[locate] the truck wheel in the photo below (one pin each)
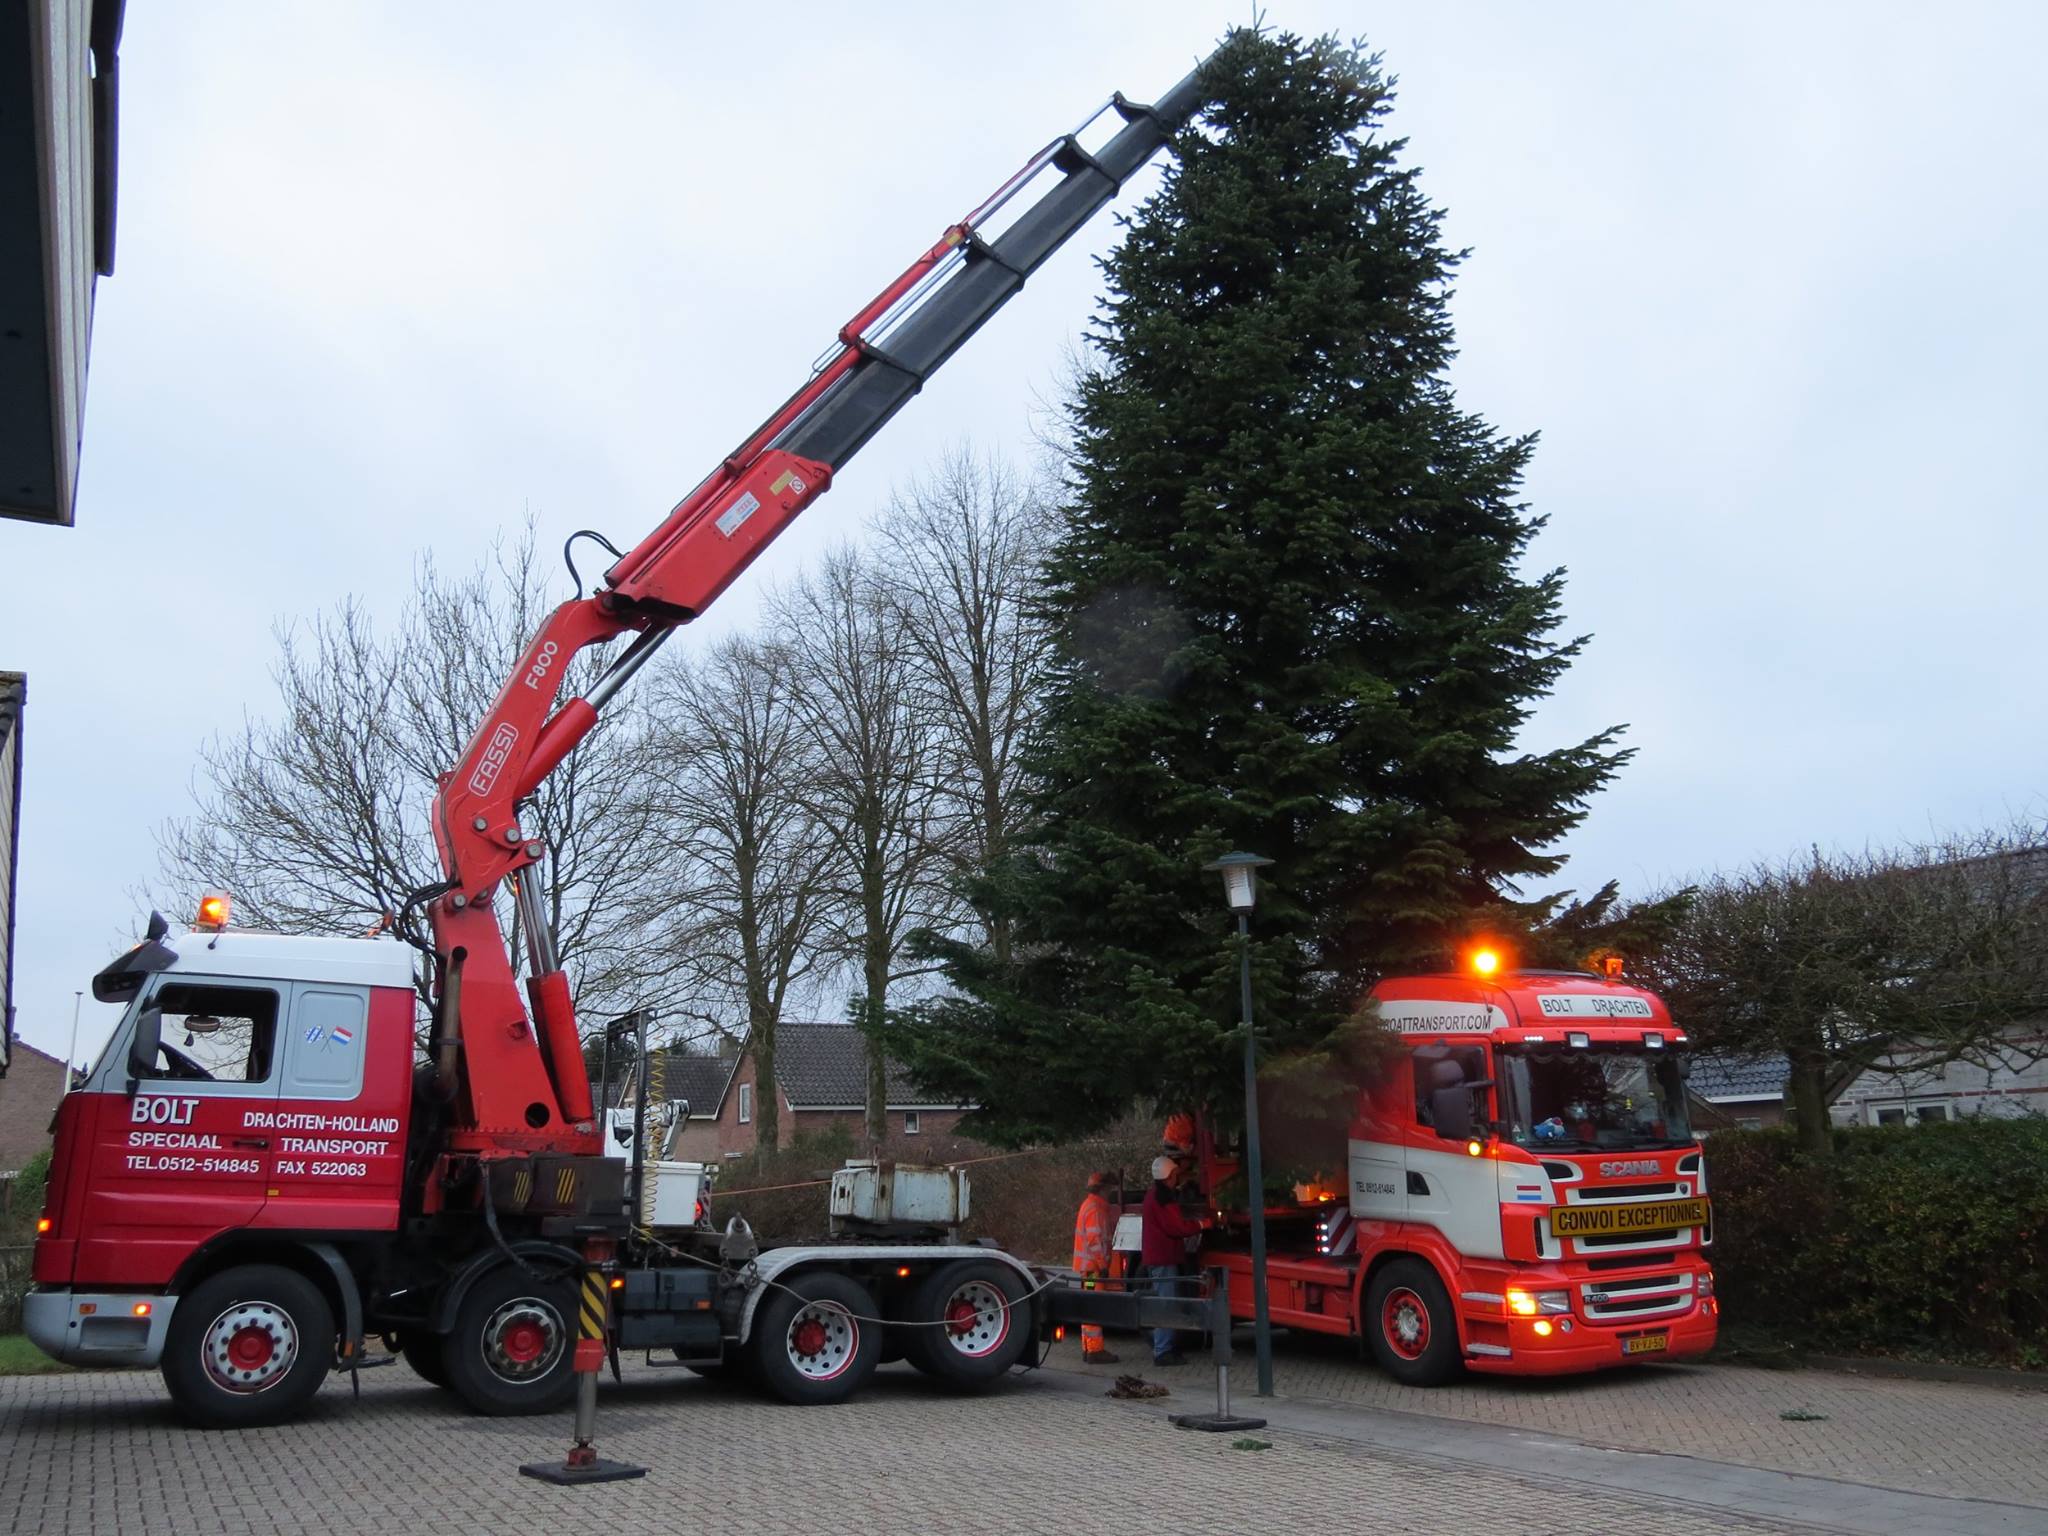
(1408, 1318)
(423, 1352)
(812, 1341)
(968, 1323)
(513, 1344)
(248, 1346)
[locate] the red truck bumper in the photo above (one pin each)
(1515, 1348)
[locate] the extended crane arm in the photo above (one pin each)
(514, 1096)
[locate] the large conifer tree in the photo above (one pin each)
(1289, 619)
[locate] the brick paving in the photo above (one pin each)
(101, 1451)
(1966, 1441)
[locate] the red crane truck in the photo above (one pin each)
(242, 1213)
(1521, 1192)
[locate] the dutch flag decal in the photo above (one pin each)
(340, 1035)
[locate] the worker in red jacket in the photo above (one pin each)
(1166, 1232)
(1094, 1226)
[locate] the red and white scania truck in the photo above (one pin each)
(1521, 1192)
(258, 1172)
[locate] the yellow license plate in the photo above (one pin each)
(1646, 1344)
(1626, 1218)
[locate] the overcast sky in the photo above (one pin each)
(1767, 279)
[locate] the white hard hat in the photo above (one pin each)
(1162, 1168)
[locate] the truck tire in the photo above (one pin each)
(813, 1342)
(968, 1323)
(513, 1345)
(1409, 1322)
(248, 1346)
(423, 1352)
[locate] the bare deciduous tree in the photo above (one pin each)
(743, 919)
(1893, 962)
(316, 817)
(873, 782)
(958, 559)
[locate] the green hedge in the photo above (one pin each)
(18, 1236)
(1911, 1238)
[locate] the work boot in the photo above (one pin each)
(1099, 1357)
(1171, 1357)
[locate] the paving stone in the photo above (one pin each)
(1962, 1440)
(102, 1451)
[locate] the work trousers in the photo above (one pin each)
(1165, 1282)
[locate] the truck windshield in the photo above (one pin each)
(1593, 1098)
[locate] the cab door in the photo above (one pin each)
(186, 1153)
(338, 1157)
(1450, 1188)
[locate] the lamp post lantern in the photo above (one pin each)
(1241, 894)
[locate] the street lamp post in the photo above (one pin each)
(70, 1056)
(1241, 892)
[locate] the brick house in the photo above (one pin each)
(1733, 1092)
(820, 1082)
(28, 1098)
(2009, 1078)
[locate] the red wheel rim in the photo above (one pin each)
(250, 1349)
(977, 1319)
(1404, 1320)
(523, 1341)
(823, 1342)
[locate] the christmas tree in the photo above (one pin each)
(1290, 619)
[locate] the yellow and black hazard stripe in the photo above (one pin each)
(594, 1304)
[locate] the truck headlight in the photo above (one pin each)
(1529, 1303)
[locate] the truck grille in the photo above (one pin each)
(1622, 1192)
(1624, 1301)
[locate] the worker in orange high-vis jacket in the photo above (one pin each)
(1094, 1225)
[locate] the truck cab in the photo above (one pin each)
(257, 1084)
(1522, 1192)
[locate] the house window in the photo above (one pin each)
(1926, 1112)
(746, 1103)
(1749, 1122)
(910, 1122)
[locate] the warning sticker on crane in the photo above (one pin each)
(730, 519)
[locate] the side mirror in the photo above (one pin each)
(1684, 1069)
(149, 1033)
(1450, 1111)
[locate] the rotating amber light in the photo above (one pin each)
(1485, 961)
(213, 911)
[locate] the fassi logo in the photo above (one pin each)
(502, 741)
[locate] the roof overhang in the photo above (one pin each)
(57, 186)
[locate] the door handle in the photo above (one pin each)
(260, 1143)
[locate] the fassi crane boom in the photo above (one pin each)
(521, 1088)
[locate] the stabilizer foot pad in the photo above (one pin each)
(562, 1474)
(1211, 1423)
